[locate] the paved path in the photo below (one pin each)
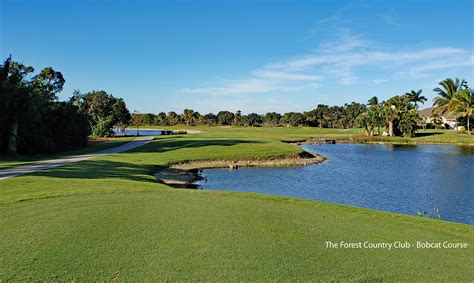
(42, 165)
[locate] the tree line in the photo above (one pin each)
(398, 114)
(33, 120)
(323, 116)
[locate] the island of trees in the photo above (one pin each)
(33, 119)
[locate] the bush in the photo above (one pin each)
(61, 127)
(104, 127)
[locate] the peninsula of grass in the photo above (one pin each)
(107, 218)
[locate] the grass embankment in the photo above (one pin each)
(429, 136)
(107, 218)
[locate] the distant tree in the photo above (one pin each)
(373, 102)
(401, 116)
(238, 118)
(101, 107)
(408, 122)
(455, 97)
(350, 112)
(148, 119)
(161, 119)
(423, 122)
(254, 119)
(334, 116)
(120, 115)
(225, 118)
(272, 118)
(210, 119)
(321, 115)
(197, 119)
(188, 117)
(293, 119)
(367, 120)
(437, 121)
(445, 93)
(463, 105)
(173, 118)
(415, 97)
(378, 110)
(137, 120)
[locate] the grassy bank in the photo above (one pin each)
(107, 218)
(429, 136)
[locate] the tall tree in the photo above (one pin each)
(173, 118)
(188, 116)
(32, 120)
(103, 111)
(321, 114)
(373, 101)
(225, 118)
(15, 98)
(463, 104)
(416, 97)
(445, 94)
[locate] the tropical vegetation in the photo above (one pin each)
(33, 120)
(455, 97)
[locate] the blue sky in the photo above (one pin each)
(254, 56)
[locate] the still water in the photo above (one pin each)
(397, 178)
(133, 132)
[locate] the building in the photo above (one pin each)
(449, 121)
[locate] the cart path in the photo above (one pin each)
(42, 165)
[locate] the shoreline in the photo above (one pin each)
(311, 142)
(185, 174)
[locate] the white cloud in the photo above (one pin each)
(423, 69)
(251, 85)
(269, 74)
(349, 60)
(379, 81)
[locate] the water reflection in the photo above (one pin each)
(397, 178)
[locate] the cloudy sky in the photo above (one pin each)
(254, 56)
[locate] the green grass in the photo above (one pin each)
(107, 218)
(7, 161)
(430, 136)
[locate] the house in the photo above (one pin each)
(449, 121)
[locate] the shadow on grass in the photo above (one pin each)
(170, 144)
(423, 134)
(100, 169)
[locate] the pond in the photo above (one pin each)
(144, 132)
(397, 178)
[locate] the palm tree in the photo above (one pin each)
(444, 101)
(463, 104)
(391, 114)
(445, 94)
(416, 97)
(374, 101)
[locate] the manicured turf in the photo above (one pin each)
(106, 219)
(356, 135)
